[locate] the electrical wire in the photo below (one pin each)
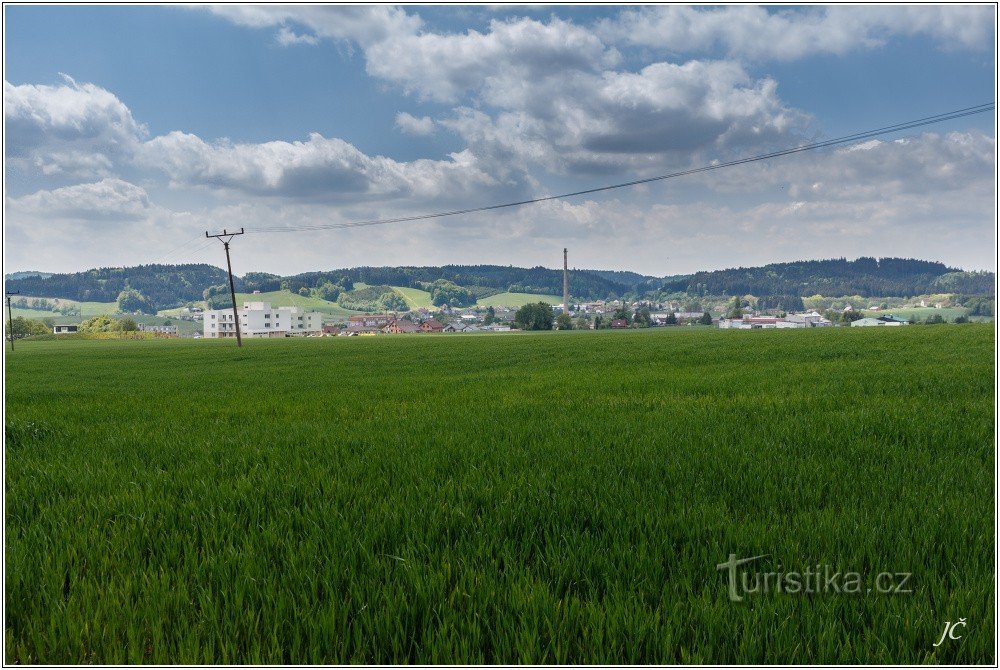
(847, 139)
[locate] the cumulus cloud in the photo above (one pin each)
(105, 200)
(68, 129)
(443, 67)
(363, 25)
(787, 34)
(319, 168)
(662, 116)
(411, 125)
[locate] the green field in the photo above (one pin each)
(517, 299)
(87, 309)
(286, 298)
(415, 297)
(509, 498)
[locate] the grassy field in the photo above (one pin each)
(288, 299)
(87, 309)
(517, 299)
(510, 498)
(415, 297)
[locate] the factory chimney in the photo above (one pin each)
(565, 281)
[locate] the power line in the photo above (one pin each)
(847, 139)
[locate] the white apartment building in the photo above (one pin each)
(260, 319)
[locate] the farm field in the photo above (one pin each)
(415, 297)
(517, 299)
(560, 497)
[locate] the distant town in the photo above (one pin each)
(196, 301)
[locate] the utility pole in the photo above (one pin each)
(10, 318)
(565, 281)
(226, 238)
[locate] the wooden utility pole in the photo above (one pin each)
(226, 238)
(10, 318)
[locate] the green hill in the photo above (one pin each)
(414, 297)
(508, 299)
(289, 299)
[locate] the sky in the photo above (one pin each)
(130, 131)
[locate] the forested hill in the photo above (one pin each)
(167, 286)
(171, 285)
(838, 277)
(163, 285)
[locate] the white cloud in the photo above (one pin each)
(662, 116)
(411, 125)
(444, 67)
(288, 37)
(319, 168)
(364, 25)
(787, 34)
(106, 200)
(70, 129)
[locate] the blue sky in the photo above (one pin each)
(136, 128)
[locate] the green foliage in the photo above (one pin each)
(978, 305)
(162, 285)
(850, 316)
(130, 300)
(391, 301)
(444, 292)
(127, 324)
(839, 277)
(329, 291)
(104, 324)
(536, 316)
(368, 299)
(643, 318)
(532, 514)
(705, 319)
(564, 322)
(734, 310)
(965, 282)
(491, 315)
(23, 327)
(582, 323)
(671, 319)
(304, 291)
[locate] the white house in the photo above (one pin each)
(260, 319)
(60, 329)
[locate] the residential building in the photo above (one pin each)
(260, 319)
(432, 326)
(369, 320)
(619, 323)
(397, 326)
(62, 329)
(162, 330)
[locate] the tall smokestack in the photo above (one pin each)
(566, 281)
